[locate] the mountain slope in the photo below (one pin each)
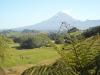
(55, 22)
(86, 24)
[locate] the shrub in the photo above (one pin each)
(36, 41)
(57, 38)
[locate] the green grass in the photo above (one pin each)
(75, 33)
(29, 56)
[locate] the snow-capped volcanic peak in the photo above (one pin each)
(62, 16)
(54, 23)
(66, 12)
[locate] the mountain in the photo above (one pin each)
(86, 24)
(54, 23)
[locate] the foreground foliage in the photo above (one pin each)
(4, 45)
(81, 57)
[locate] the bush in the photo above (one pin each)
(58, 38)
(35, 41)
(22, 38)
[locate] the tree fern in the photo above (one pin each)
(77, 58)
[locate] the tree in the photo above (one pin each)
(91, 31)
(74, 29)
(57, 38)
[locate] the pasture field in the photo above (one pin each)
(19, 60)
(29, 56)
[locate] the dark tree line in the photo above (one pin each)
(91, 31)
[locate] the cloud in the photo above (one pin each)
(67, 11)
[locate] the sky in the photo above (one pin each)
(19, 13)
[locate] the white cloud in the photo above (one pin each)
(67, 11)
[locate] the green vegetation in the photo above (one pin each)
(10, 55)
(57, 38)
(35, 41)
(30, 56)
(81, 57)
(4, 46)
(74, 29)
(64, 53)
(91, 31)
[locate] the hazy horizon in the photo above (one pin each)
(19, 13)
